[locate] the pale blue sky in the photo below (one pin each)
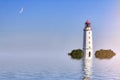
(56, 26)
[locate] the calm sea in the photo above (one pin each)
(57, 68)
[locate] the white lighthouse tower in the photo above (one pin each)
(87, 49)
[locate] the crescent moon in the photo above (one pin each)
(21, 10)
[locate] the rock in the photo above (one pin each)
(104, 54)
(76, 54)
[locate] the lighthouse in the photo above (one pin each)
(87, 49)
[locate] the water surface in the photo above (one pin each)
(56, 68)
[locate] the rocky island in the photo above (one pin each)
(76, 54)
(104, 54)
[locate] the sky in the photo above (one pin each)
(55, 27)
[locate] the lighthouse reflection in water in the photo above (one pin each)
(87, 50)
(87, 69)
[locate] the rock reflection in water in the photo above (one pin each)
(86, 78)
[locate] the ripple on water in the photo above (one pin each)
(39, 76)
